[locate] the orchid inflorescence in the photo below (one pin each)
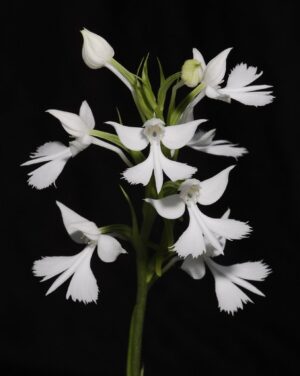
(165, 130)
(205, 237)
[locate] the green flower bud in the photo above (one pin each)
(191, 73)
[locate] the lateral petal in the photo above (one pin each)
(169, 207)
(194, 267)
(213, 188)
(109, 248)
(131, 137)
(177, 136)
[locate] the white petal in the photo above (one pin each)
(202, 138)
(177, 136)
(72, 269)
(48, 152)
(83, 285)
(257, 98)
(226, 150)
(76, 225)
(216, 69)
(169, 207)
(176, 170)
(109, 248)
(86, 115)
(227, 272)
(141, 173)
(191, 242)
(195, 267)
(230, 297)
(212, 189)
(241, 75)
(49, 267)
(198, 56)
(72, 123)
(228, 228)
(253, 271)
(46, 175)
(158, 172)
(49, 148)
(131, 137)
(209, 236)
(213, 93)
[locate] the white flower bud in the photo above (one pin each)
(96, 52)
(191, 73)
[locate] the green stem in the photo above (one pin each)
(134, 365)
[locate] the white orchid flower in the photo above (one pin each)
(201, 229)
(57, 154)
(204, 141)
(227, 278)
(237, 86)
(83, 285)
(154, 133)
(238, 81)
(98, 53)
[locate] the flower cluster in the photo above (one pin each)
(172, 187)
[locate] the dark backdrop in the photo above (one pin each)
(185, 334)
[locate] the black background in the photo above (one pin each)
(185, 334)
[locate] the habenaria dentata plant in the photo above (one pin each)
(150, 152)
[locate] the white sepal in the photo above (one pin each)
(131, 137)
(213, 188)
(177, 136)
(170, 207)
(72, 123)
(194, 267)
(216, 69)
(79, 228)
(109, 248)
(86, 115)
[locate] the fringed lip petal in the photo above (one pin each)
(46, 175)
(191, 241)
(131, 137)
(140, 173)
(229, 296)
(170, 207)
(213, 188)
(86, 253)
(83, 285)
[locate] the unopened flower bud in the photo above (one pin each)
(96, 52)
(191, 73)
